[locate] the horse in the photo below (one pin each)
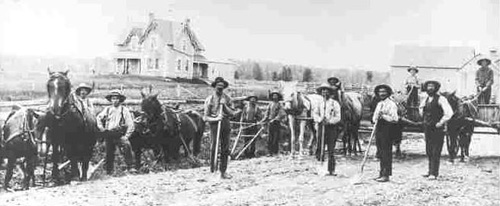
(20, 136)
(171, 129)
(460, 129)
(299, 106)
(69, 132)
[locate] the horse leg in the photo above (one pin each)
(291, 121)
(314, 129)
(85, 168)
(10, 170)
(75, 173)
(301, 136)
(138, 153)
(29, 171)
(56, 152)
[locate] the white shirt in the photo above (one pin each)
(328, 110)
(387, 109)
(443, 103)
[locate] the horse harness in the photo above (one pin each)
(26, 133)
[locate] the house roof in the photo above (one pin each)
(166, 30)
(134, 31)
(434, 57)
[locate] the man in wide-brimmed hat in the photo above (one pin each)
(83, 103)
(327, 115)
(484, 80)
(412, 85)
(116, 124)
(251, 114)
(274, 115)
(218, 109)
(385, 118)
(436, 111)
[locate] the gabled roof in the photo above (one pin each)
(166, 30)
(434, 57)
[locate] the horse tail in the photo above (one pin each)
(200, 126)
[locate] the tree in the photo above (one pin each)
(257, 72)
(307, 75)
(275, 76)
(236, 75)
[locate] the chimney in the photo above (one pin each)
(151, 16)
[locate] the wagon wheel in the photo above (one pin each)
(452, 145)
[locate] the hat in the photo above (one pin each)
(436, 83)
(382, 86)
(275, 92)
(324, 86)
(414, 68)
(116, 93)
(484, 59)
(220, 79)
(251, 96)
(335, 80)
(83, 86)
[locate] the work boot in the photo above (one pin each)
(432, 177)
(383, 179)
(425, 175)
(225, 176)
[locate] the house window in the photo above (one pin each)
(157, 64)
(179, 64)
(150, 63)
(187, 65)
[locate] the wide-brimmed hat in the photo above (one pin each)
(382, 86)
(116, 93)
(220, 79)
(436, 83)
(251, 95)
(488, 61)
(324, 86)
(280, 97)
(335, 80)
(83, 86)
(414, 68)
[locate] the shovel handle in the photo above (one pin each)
(369, 144)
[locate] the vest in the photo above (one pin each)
(432, 111)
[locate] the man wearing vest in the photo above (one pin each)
(217, 109)
(274, 116)
(385, 118)
(327, 115)
(250, 115)
(116, 124)
(436, 111)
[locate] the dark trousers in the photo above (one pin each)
(250, 151)
(274, 135)
(331, 134)
(484, 97)
(114, 139)
(225, 131)
(384, 139)
(412, 100)
(434, 139)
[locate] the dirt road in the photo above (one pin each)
(285, 181)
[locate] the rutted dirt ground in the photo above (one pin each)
(283, 180)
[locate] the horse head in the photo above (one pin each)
(58, 89)
(293, 100)
(150, 104)
(453, 100)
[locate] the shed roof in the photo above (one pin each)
(432, 56)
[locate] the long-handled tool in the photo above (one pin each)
(357, 178)
(237, 137)
(250, 143)
(215, 155)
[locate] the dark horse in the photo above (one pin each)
(459, 128)
(20, 136)
(166, 130)
(69, 133)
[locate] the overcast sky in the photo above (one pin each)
(335, 33)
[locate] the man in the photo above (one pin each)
(274, 115)
(327, 115)
(385, 118)
(217, 109)
(412, 85)
(116, 124)
(336, 85)
(85, 107)
(484, 80)
(250, 115)
(436, 111)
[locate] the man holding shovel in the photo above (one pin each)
(385, 118)
(326, 116)
(218, 110)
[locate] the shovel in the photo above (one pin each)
(215, 156)
(358, 177)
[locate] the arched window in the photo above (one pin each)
(179, 64)
(187, 64)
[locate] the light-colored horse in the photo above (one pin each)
(298, 106)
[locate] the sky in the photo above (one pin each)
(322, 33)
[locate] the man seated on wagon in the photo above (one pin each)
(484, 80)
(412, 86)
